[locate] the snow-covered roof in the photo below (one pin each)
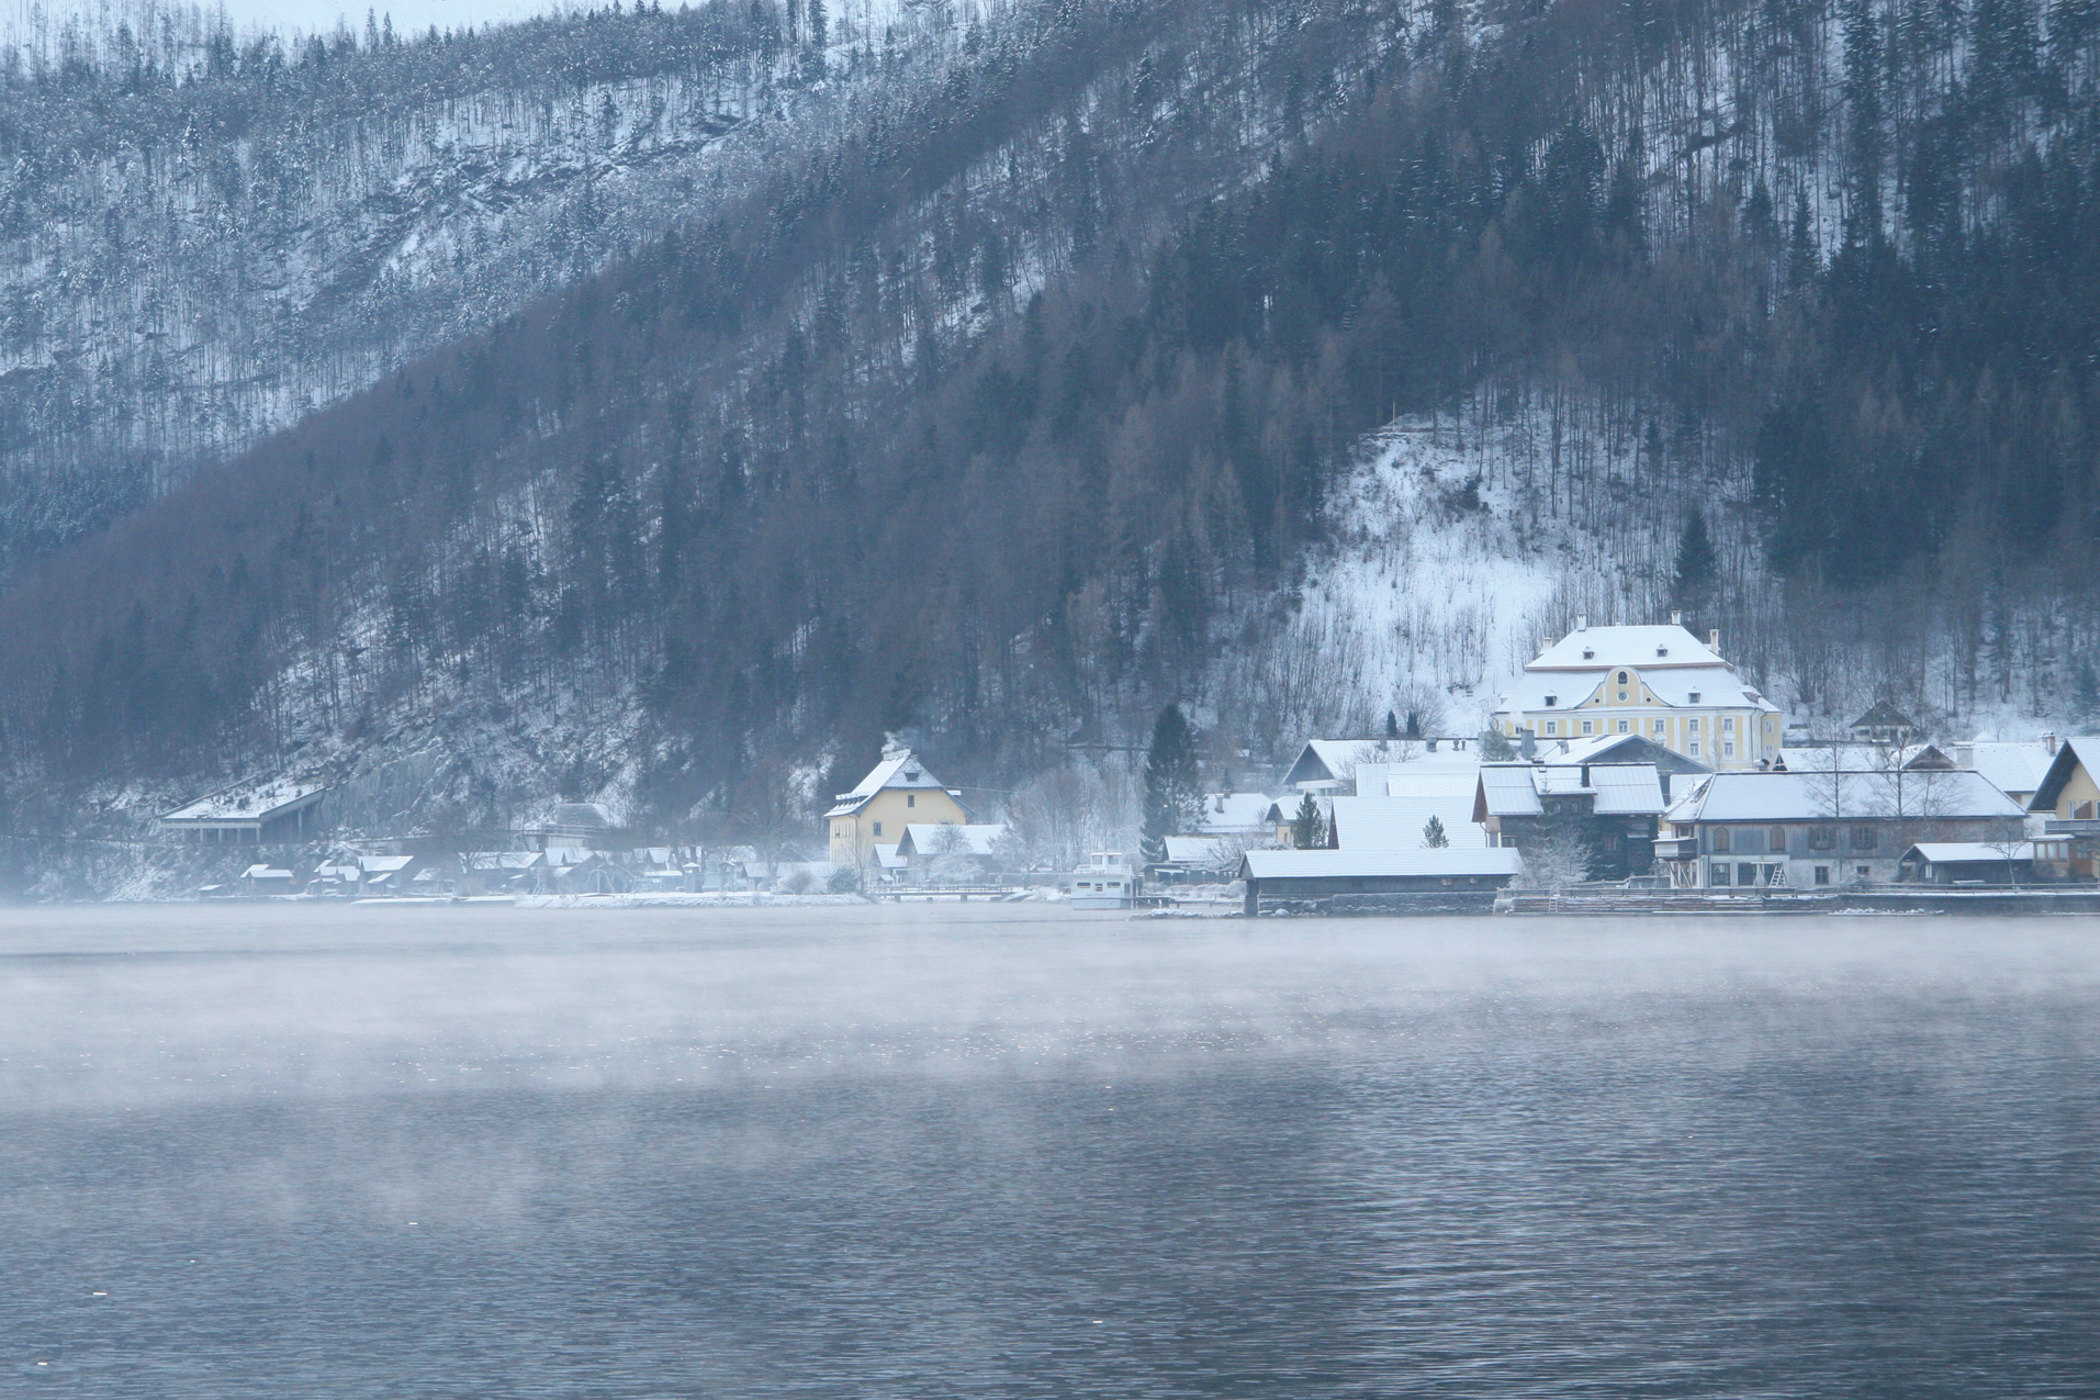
(1508, 790)
(2014, 767)
(265, 872)
(1445, 773)
(1234, 812)
(249, 801)
(886, 857)
(1396, 823)
(1850, 757)
(1925, 794)
(2071, 754)
(900, 769)
(1330, 865)
(1646, 646)
(1629, 789)
(1620, 789)
(935, 838)
(1957, 852)
(383, 865)
(1615, 748)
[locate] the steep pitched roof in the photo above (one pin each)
(900, 769)
(2071, 755)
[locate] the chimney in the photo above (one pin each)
(1582, 622)
(1713, 639)
(2049, 743)
(1585, 775)
(1676, 617)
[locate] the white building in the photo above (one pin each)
(1659, 682)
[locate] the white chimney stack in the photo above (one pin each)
(1582, 622)
(1676, 618)
(1713, 639)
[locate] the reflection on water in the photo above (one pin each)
(429, 1152)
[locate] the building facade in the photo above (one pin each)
(897, 793)
(1658, 682)
(1818, 830)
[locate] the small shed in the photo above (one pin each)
(1970, 863)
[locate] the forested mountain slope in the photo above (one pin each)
(203, 239)
(1030, 401)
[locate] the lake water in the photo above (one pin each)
(1021, 1152)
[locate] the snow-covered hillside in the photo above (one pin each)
(181, 272)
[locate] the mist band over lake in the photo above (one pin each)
(900, 1152)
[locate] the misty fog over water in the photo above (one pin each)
(1016, 1151)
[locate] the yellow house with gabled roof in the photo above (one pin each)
(897, 792)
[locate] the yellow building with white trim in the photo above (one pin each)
(1659, 682)
(898, 792)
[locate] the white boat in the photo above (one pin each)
(1106, 881)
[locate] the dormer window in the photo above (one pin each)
(1694, 697)
(1551, 701)
(1662, 651)
(1589, 654)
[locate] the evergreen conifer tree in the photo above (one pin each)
(1173, 790)
(1307, 829)
(1692, 582)
(1433, 836)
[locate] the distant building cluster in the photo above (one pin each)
(1633, 759)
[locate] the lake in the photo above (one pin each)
(1015, 1151)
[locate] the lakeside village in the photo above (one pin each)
(1629, 767)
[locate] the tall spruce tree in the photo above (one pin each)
(1698, 568)
(1173, 789)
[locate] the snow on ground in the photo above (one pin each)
(1441, 579)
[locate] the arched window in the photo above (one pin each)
(1622, 678)
(1720, 838)
(1779, 839)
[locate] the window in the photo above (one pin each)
(911, 799)
(1728, 724)
(1720, 838)
(1728, 749)
(1622, 678)
(1625, 726)
(1863, 872)
(1551, 701)
(1588, 726)
(1777, 838)
(1553, 726)
(878, 828)
(1658, 726)
(1745, 873)
(1822, 874)
(1694, 697)
(1693, 723)
(1865, 838)
(1695, 748)
(1622, 697)
(1720, 873)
